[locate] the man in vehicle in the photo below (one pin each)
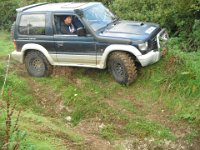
(68, 27)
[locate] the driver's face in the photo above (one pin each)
(68, 20)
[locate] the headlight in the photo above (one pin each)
(143, 46)
(165, 36)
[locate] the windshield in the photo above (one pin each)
(98, 16)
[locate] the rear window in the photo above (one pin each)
(33, 24)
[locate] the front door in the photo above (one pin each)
(72, 49)
(75, 50)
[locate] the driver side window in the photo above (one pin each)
(67, 24)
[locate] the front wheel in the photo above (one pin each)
(122, 67)
(37, 65)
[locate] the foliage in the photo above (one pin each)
(146, 127)
(169, 90)
(174, 81)
(108, 132)
(179, 17)
(184, 80)
(13, 138)
(7, 13)
(186, 72)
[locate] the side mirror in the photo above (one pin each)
(81, 32)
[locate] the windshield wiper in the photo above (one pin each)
(113, 22)
(116, 19)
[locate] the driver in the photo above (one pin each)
(68, 27)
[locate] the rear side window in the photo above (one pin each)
(33, 24)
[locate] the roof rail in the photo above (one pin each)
(30, 6)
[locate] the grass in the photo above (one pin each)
(5, 45)
(171, 85)
(191, 136)
(32, 122)
(127, 105)
(144, 128)
(21, 92)
(52, 131)
(108, 132)
(86, 100)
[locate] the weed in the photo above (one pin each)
(5, 45)
(127, 105)
(21, 92)
(108, 132)
(190, 136)
(14, 137)
(173, 83)
(144, 128)
(48, 126)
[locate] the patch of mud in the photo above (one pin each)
(160, 114)
(172, 63)
(50, 100)
(53, 104)
(196, 143)
(62, 71)
(67, 72)
(135, 143)
(89, 129)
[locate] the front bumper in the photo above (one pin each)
(155, 55)
(149, 58)
(18, 56)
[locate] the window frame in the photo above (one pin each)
(28, 14)
(55, 32)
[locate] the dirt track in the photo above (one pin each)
(53, 105)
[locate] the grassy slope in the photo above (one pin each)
(164, 98)
(31, 121)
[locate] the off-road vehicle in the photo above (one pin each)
(102, 40)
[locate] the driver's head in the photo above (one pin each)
(68, 20)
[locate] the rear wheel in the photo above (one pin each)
(122, 67)
(37, 65)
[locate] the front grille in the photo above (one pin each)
(153, 44)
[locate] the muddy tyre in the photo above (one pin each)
(122, 67)
(37, 65)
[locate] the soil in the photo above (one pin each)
(53, 105)
(89, 129)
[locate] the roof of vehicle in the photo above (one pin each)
(56, 7)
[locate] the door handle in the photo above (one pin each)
(59, 44)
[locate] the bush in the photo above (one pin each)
(7, 11)
(193, 38)
(179, 17)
